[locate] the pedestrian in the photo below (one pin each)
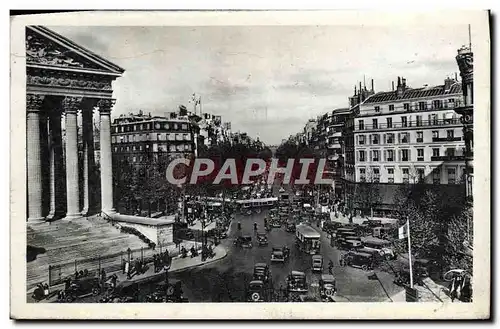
(137, 266)
(103, 276)
(330, 267)
(155, 263)
(76, 274)
(113, 281)
(124, 262)
(67, 283)
(46, 290)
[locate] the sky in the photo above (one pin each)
(267, 80)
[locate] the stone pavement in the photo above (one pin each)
(178, 264)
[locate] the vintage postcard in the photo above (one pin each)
(250, 165)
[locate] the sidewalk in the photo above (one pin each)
(178, 264)
(198, 226)
(431, 292)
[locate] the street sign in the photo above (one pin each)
(411, 294)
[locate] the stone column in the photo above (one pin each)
(33, 155)
(55, 166)
(71, 106)
(88, 157)
(106, 159)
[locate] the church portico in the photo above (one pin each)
(65, 82)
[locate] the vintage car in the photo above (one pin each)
(244, 241)
(282, 190)
(327, 287)
(262, 273)
(171, 291)
(279, 254)
(349, 244)
(125, 292)
(290, 227)
(262, 239)
(256, 291)
(81, 288)
(296, 282)
(362, 260)
(317, 263)
(379, 245)
(275, 223)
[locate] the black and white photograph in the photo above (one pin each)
(283, 169)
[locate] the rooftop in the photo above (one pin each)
(414, 93)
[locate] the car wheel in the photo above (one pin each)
(96, 291)
(69, 298)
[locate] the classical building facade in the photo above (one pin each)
(64, 81)
(465, 60)
(410, 135)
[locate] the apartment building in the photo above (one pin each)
(141, 138)
(410, 135)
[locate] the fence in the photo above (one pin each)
(110, 263)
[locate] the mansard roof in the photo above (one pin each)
(414, 93)
(48, 49)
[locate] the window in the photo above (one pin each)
(361, 125)
(450, 152)
(420, 137)
(361, 156)
(420, 175)
(451, 176)
(404, 122)
(405, 155)
(390, 138)
(390, 155)
(435, 152)
(437, 104)
(450, 134)
(406, 106)
(134, 159)
(184, 126)
(422, 106)
(176, 126)
(375, 139)
(434, 118)
(435, 134)
(172, 148)
(140, 147)
(451, 102)
(113, 139)
(389, 122)
(406, 175)
(375, 155)
(390, 171)
(116, 149)
(187, 137)
(186, 147)
(133, 148)
(377, 109)
(128, 148)
(420, 154)
(361, 140)
(362, 174)
(419, 120)
(167, 126)
(436, 176)
(391, 107)
(376, 175)
(375, 123)
(405, 137)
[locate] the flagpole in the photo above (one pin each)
(201, 108)
(409, 253)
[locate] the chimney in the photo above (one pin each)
(392, 85)
(399, 82)
(403, 82)
(448, 82)
(355, 91)
(372, 86)
(401, 86)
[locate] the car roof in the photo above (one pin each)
(298, 273)
(255, 282)
(362, 254)
(327, 277)
(317, 257)
(260, 265)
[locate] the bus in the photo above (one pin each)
(256, 204)
(307, 239)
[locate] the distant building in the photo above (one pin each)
(410, 135)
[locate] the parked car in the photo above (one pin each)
(125, 292)
(317, 263)
(379, 245)
(361, 260)
(262, 239)
(262, 272)
(296, 282)
(349, 244)
(327, 287)
(82, 288)
(244, 241)
(290, 227)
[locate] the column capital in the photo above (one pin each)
(34, 102)
(105, 105)
(71, 104)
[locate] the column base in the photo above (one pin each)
(85, 212)
(108, 212)
(36, 220)
(72, 216)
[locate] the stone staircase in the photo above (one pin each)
(66, 241)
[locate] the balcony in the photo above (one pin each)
(446, 139)
(411, 124)
(446, 158)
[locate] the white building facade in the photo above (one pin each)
(410, 135)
